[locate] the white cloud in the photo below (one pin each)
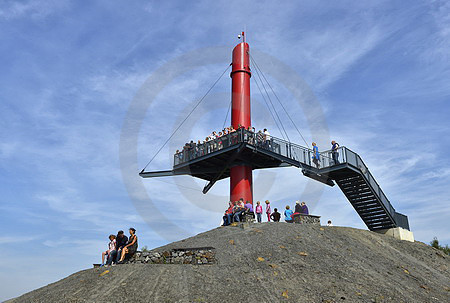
(34, 9)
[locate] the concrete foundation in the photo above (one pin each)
(398, 233)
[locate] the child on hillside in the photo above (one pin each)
(268, 210)
(259, 211)
(111, 248)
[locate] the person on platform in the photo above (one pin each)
(259, 138)
(329, 223)
(316, 155)
(334, 152)
(275, 216)
(258, 211)
(121, 241)
(266, 138)
(111, 248)
(131, 246)
(305, 209)
(238, 210)
(228, 216)
(288, 214)
(268, 210)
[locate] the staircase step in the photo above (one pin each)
(377, 210)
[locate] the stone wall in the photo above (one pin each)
(195, 256)
(306, 219)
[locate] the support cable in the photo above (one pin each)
(270, 110)
(182, 122)
(226, 116)
(270, 100)
(279, 101)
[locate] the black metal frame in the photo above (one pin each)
(212, 161)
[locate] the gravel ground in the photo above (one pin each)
(271, 262)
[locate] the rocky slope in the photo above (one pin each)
(271, 262)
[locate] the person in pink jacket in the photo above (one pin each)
(268, 210)
(258, 211)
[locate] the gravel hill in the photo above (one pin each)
(271, 262)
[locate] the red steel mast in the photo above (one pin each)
(241, 174)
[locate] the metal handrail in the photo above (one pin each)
(276, 145)
(345, 155)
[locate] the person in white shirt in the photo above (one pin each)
(329, 223)
(267, 137)
(111, 248)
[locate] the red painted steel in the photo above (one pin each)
(241, 183)
(240, 86)
(241, 175)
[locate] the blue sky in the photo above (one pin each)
(379, 70)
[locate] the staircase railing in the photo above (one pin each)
(345, 155)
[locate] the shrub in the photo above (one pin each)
(435, 244)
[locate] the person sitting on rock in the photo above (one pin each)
(305, 210)
(238, 210)
(111, 248)
(288, 214)
(248, 207)
(228, 216)
(131, 246)
(275, 216)
(121, 241)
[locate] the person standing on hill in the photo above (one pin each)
(268, 210)
(275, 216)
(298, 207)
(305, 209)
(258, 211)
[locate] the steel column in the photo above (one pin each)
(241, 175)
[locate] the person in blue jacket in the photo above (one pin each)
(316, 155)
(288, 214)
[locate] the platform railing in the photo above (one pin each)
(199, 150)
(259, 140)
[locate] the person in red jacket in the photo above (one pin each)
(228, 216)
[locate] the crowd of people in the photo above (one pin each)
(120, 248)
(237, 209)
(218, 140)
(228, 136)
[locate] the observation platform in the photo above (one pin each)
(212, 161)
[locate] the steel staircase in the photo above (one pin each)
(362, 191)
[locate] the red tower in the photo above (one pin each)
(241, 174)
